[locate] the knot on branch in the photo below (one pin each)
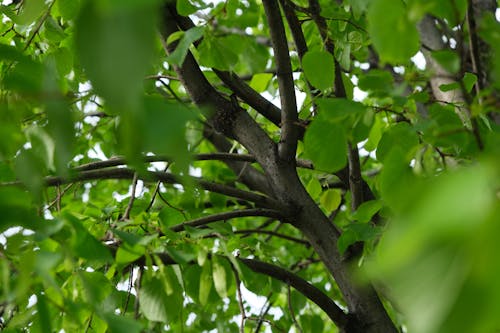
(223, 120)
(225, 115)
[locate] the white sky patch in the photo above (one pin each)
(363, 65)
(399, 69)
(196, 172)
(138, 190)
(257, 302)
(419, 60)
(97, 153)
(358, 94)
(13, 231)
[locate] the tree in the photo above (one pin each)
(148, 178)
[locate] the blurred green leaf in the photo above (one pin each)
(448, 59)
(115, 43)
(400, 135)
(118, 323)
(393, 35)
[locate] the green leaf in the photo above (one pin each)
(43, 145)
(85, 245)
(30, 11)
(29, 171)
(314, 188)
(218, 52)
(43, 322)
(119, 324)
(376, 80)
(366, 210)
(319, 69)
(180, 256)
(68, 8)
(219, 276)
(152, 298)
(26, 74)
(337, 109)
(358, 7)
(400, 135)
(326, 144)
(16, 209)
(449, 86)
(469, 80)
(205, 283)
(185, 8)
(188, 37)
(127, 254)
(260, 81)
(448, 59)
(393, 35)
(115, 43)
(97, 287)
(356, 232)
(330, 199)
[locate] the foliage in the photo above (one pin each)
(148, 183)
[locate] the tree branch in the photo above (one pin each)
(250, 96)
(312, 293)
(225, 117)
(289, 118)
(227, 216)
(355, 179)
(305, 288)
(167, 178)
(273, 233)
(221, 156)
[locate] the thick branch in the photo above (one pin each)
(250, 96)
(289, 117)
(238, 86)
(227, 216)
(247, 174)
(226, 117)
(309, 291)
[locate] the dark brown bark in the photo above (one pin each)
(366, 311)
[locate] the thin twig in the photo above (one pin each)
(239, 296)
(220, 156)
(38, 25)
(290, 308)
(129, 288)
(126, 214)
(58, 197)
(226, 216)
(273, 233)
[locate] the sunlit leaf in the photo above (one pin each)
(330, 199)
(219, 276)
